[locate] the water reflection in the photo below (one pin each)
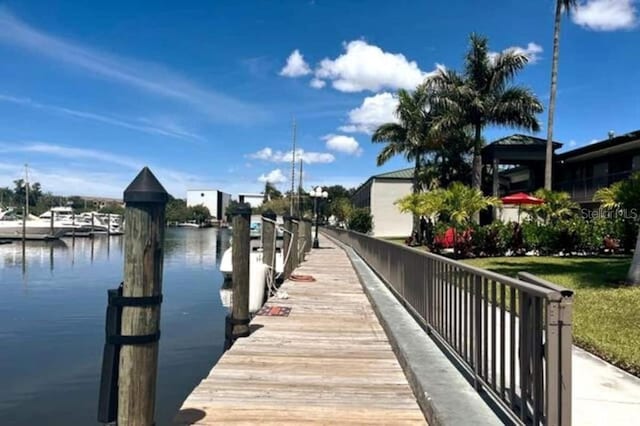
(52, 305)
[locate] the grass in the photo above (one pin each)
(606, 316)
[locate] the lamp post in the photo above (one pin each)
(316, 194)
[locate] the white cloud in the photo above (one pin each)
(144, 125)
(274, 176)
(267, 154)
(367, 67)
(531, 51)
(316, 83)
(605, 15)
(296, 66)
(342, 143)
(374, 111)
(89, 171)
(144, 76)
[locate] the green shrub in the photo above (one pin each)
(360, 220)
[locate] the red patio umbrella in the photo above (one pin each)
(521, 198)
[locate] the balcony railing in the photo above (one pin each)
(584, 189)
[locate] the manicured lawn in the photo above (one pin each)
(606, 316)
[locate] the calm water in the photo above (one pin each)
(52, 310)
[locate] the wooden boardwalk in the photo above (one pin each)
(328, 362)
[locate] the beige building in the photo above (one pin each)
(378, 194)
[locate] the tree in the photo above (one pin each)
(410, 137)
(176, 210)
(20, 192)
(271, 192)
(6, 197)
(482, 96)
(360, 220)
(341, 208)
(625, 195)
(198, 213)
(557, 206)
(561, 5)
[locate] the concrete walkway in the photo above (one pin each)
(602, 393)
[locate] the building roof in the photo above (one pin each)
(402, 174)
(611, 144)
(522, 140)
(396, 174)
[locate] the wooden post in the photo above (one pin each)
(73, 224)
(240, 251)
(286, 243)
(269, 242)
(108, 225)
(295, 243)
(93, 223)
(51, 223)
(308, 234)
(145, 200)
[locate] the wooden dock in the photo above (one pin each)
(328, 362)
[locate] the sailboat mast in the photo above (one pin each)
(26, 187)
(300, 191)
(293, 169)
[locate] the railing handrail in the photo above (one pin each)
(539, 288)
(504, 330)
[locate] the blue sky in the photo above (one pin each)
(204, 92)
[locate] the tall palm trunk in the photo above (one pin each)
(552, 97)
(633, 276)
(476, 173)
(416, 189)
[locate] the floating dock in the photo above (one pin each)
(328, 362)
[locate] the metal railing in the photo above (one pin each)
(513, 336)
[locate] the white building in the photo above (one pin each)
(216, 201)
(378, 194)
(254, 200)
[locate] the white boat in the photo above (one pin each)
(33, 228)
(84, 223)
(257, 274)
(189, 224)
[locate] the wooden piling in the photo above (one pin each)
(93, 223)
(145, 200)
(240, 251)
(286, 244)
(269, 242)
(73, 224)
(295, 243)
(108, 225)
(51, 220)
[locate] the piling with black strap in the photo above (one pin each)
(306, 235)
(295, 243)
(286, 245)
(240, 251)
(144, 215)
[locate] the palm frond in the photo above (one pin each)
(516, 107)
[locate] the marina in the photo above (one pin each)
(52, 303)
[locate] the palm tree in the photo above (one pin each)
(409, 137)
(482, 96)
(561, 5)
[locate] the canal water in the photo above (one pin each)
(52, 313)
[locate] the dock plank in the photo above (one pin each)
(328, 362)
